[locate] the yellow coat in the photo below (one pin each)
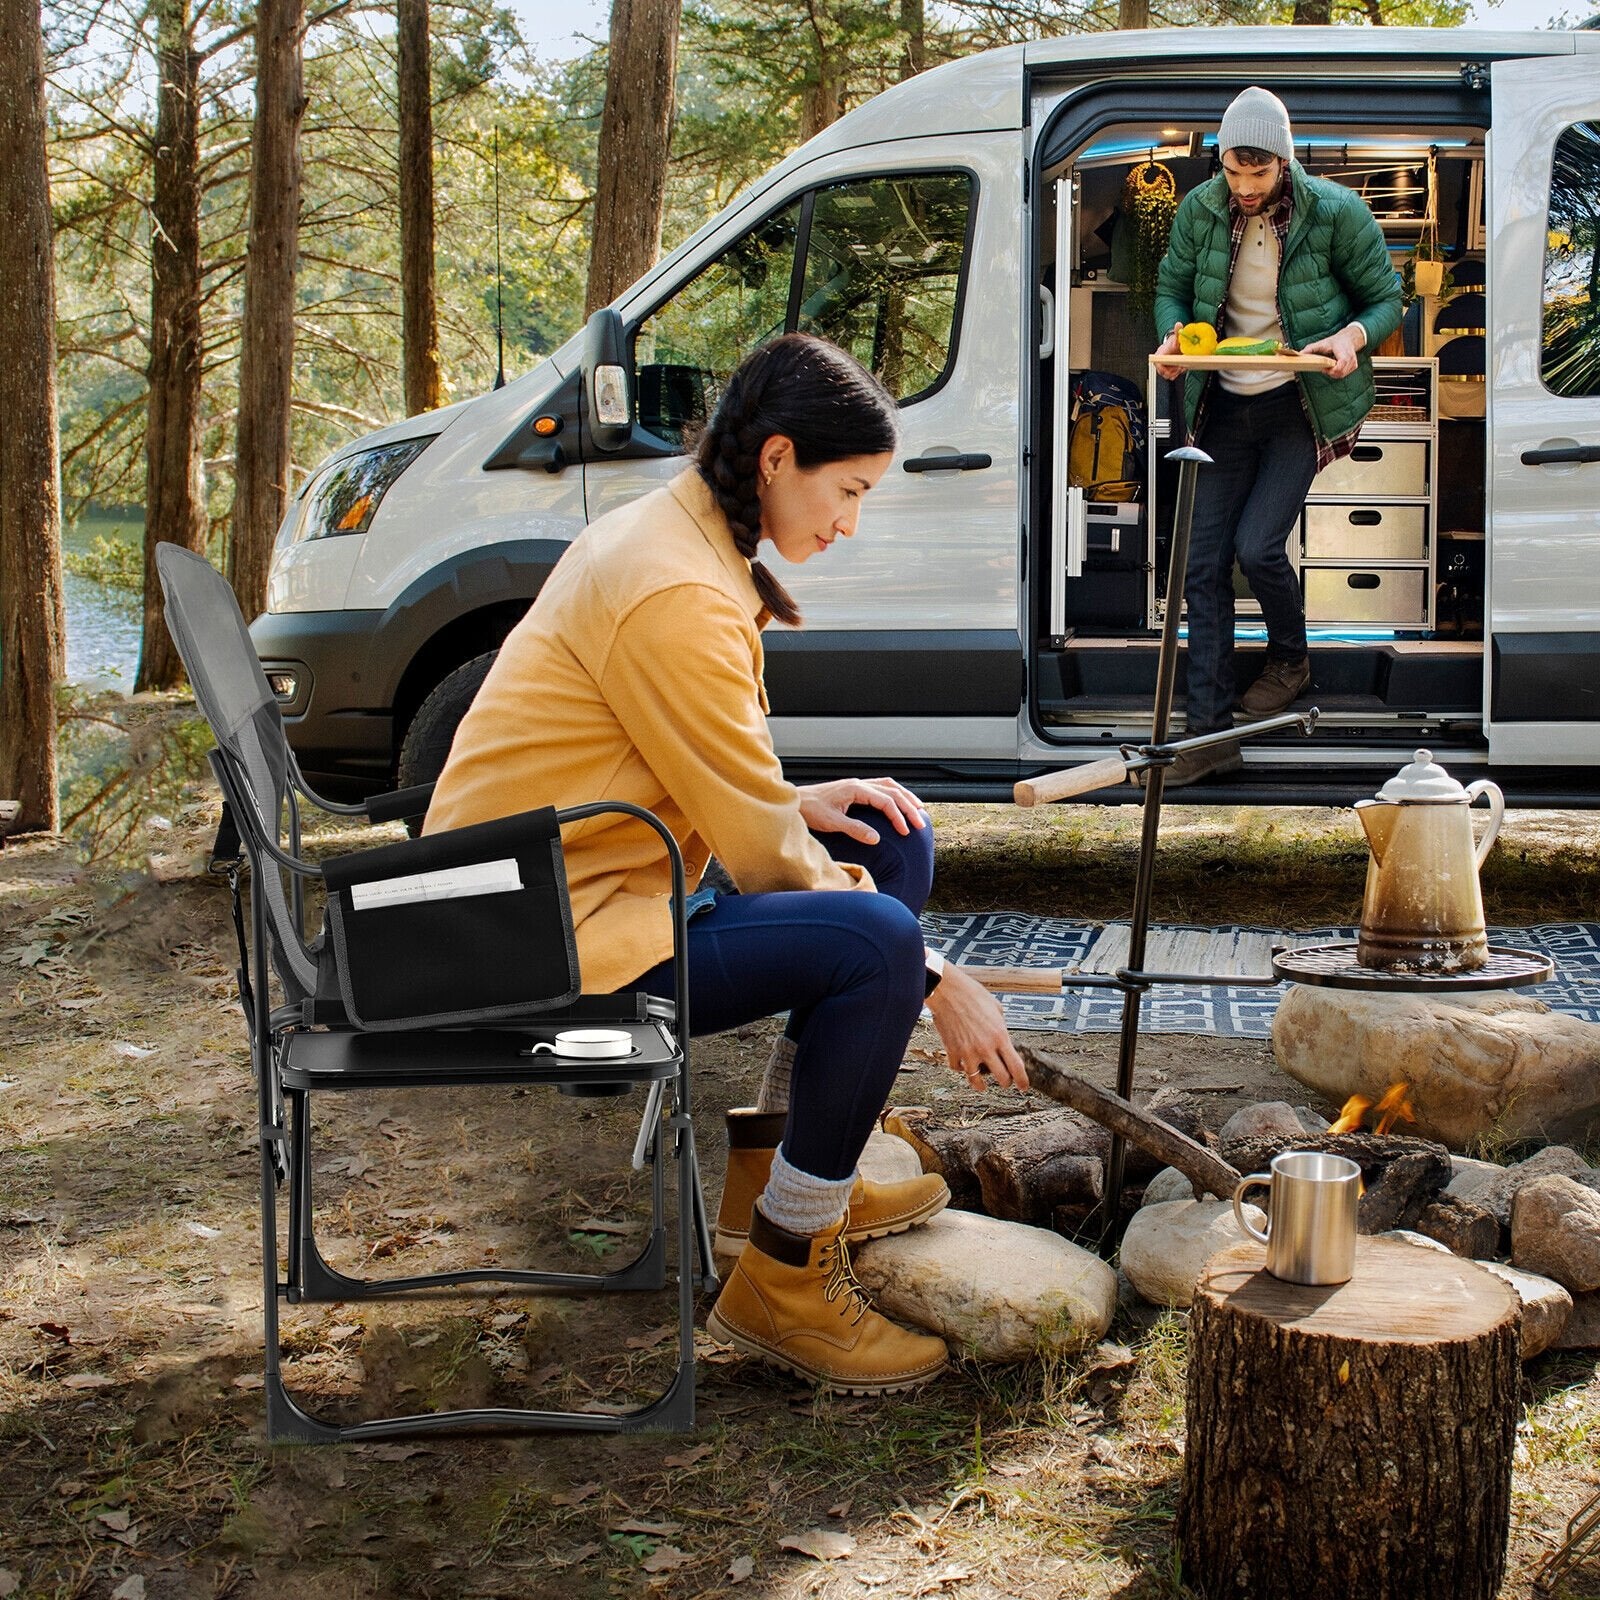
(636, 675)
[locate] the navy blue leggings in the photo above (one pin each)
(848, 969)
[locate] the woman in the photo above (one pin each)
(636, 675)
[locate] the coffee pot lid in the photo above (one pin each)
(1423, 780)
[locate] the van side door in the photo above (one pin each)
(908, 257)
(1542, 688)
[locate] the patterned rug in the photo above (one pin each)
(1015, 939)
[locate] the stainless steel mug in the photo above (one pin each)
(1311, 1217)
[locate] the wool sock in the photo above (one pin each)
(801, 1203)
(774, 1095)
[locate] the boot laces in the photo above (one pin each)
(841, 1280)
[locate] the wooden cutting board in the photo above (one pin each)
(1280, 363)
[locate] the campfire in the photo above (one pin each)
(1395, 1106)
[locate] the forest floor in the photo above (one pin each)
(133, 1459)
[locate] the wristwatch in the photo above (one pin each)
(934, 962)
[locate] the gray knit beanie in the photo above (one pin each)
(1257, 120)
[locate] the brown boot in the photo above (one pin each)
(1281, 683)
(795, 1301)
(876, 1209)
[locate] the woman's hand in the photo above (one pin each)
(973, 1031)
(823, 806)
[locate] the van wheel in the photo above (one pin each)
(427, 740)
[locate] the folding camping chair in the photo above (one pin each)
(411, 987)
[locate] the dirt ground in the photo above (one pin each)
(134, 1460)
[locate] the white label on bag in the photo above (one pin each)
(453, 883)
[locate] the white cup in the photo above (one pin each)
(588, 1044)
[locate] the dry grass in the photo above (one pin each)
(129, 1324)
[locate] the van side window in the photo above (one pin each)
(684, 351)
(883, 271)
(1571, 364)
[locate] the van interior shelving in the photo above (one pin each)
(1391, 550)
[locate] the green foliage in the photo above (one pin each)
(127, 765)
(110, 559)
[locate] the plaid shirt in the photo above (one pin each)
(1280, 217)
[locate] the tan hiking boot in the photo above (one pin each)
(795, 1302)
(876, 1209)
(1281, 683)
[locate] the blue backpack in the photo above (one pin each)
(1106, 437)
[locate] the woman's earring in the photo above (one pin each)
(766, 478)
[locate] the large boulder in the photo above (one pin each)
(1265, 1119)
(1546, 1307)
(1582, 1331)
(1555, 1231)
(1001, 1291)
(1474, 1061)
(1496, 1188)
(1167, 1244)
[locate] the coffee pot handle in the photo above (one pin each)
(1497, 813)
(1256, 1179)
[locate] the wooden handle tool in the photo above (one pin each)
(1061, 785)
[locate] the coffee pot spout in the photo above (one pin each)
(1377, 819)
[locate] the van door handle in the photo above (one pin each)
(967, 463)
(1571, 454)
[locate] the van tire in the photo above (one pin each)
(427, 741)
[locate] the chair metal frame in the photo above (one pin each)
(307, 1043)
(476, 1056)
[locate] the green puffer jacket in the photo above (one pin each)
(1335, 270)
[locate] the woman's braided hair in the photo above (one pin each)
(819, 398)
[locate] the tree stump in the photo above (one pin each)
(1351, 1442)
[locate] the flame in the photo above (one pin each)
(1354, 1109)
(1395, 1106)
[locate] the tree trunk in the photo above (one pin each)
(635, 140)
(914, 25)
(1350, 1443)
(419, 310)
(32, 628)
(823, 101)
(1133, 13)
(266, 354)
(1313, 13)
(174, 497)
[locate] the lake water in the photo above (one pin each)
(103, 623)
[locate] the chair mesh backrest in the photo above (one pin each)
(236, 699)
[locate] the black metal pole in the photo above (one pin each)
(1189, 459)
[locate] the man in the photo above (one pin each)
(1265, 251)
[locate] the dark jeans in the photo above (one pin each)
(1245, 507)
(848, 969)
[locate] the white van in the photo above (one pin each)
(959, 233)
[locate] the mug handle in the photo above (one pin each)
(543, 1044)
(1256, 1179)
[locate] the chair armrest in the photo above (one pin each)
(399, 804)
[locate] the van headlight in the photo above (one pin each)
(344, 498)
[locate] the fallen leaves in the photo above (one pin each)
(9, 1582)
(740, 1568)
(824, 1544)
(665, 1558)
(688, 1458)
(88, 1380)
(575, 1497)
(131, 1588)
(648, 1341)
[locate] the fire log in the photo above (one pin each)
(1202, 1167)
(1400, 1175)
(1017, 1164)
(1350, 1443)
(1460, 1226)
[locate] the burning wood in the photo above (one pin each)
(1395, 1106)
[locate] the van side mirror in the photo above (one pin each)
(608, 402)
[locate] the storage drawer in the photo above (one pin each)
(1383, 596)
(1381, 467)
(1366, 533)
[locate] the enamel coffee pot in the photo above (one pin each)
(1423, 910)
